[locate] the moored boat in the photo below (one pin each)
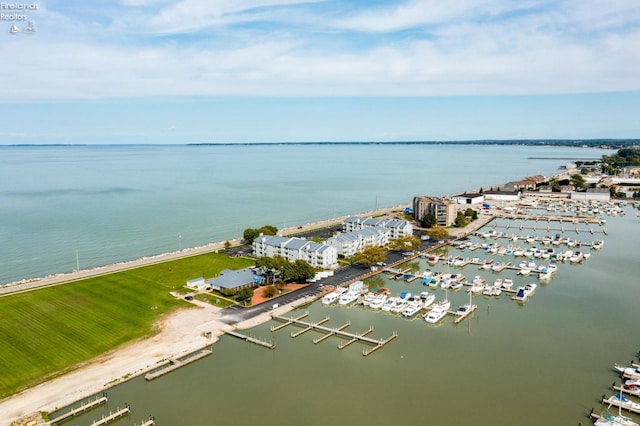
(524, 292)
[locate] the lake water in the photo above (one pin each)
(116, 203)
(545, 362)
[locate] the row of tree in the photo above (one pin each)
(277, 268)
(250, 234)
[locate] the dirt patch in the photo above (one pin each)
(258, 293)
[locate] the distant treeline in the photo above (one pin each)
(601, 143)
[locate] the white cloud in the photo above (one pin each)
(530, 53)
(193, 15)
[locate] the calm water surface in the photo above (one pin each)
(115, 203)
(546, 362)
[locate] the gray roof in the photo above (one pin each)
(272, 240)
(396, 224)
(296, 243)
(230, 279)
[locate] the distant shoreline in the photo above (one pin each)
(603, 143)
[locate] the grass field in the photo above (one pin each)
(48, 331)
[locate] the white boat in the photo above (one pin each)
(597, 244)
(390, 303)
(414, 307)
(348, 297)
(576, 257)
(330, 298)
(378, 302)
(486, 290)
(435, 315)
(456, 285)
(524, 271)
(608, 419)
(401, 305)
(544, 274)
(633, 372)
(507, 283)
(368, 298)
(524, 292)
(623, 402)
(496, 290)
(427, 299)
(465, 309)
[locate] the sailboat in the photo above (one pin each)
(608, 419)
(465, 309)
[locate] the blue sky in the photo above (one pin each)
(156, 71)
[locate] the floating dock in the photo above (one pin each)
(81, 409)
(250, 339)
(112, 417)
(150, 422)
(176, 363)
(377, 344)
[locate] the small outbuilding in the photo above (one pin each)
(197, 283)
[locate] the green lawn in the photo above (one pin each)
(45, 332)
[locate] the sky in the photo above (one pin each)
(182, 71)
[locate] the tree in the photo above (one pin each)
(460, 220)
(407, 242)
(438, 232)
(227, 244)
(577, 180)
(244, 294)
(371, 255)
(429, 220)
(474, 216)
(268, 230)
(469, 212)
(250, 235)
(269, 291)
(555, 185)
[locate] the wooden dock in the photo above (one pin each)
(81, 409)
(176, 363)
(150, 422)
(112, 417)
(289, 321)
(377, 343)
(251, 339)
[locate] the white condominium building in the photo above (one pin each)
(292, 248)
(352, 242)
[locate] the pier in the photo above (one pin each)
(81, 409)
(289, 321)
(150, 422)
(176, 363)
(112, 417)
(251, 339)
(377, 344)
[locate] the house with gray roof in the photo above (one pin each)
(235, 280)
